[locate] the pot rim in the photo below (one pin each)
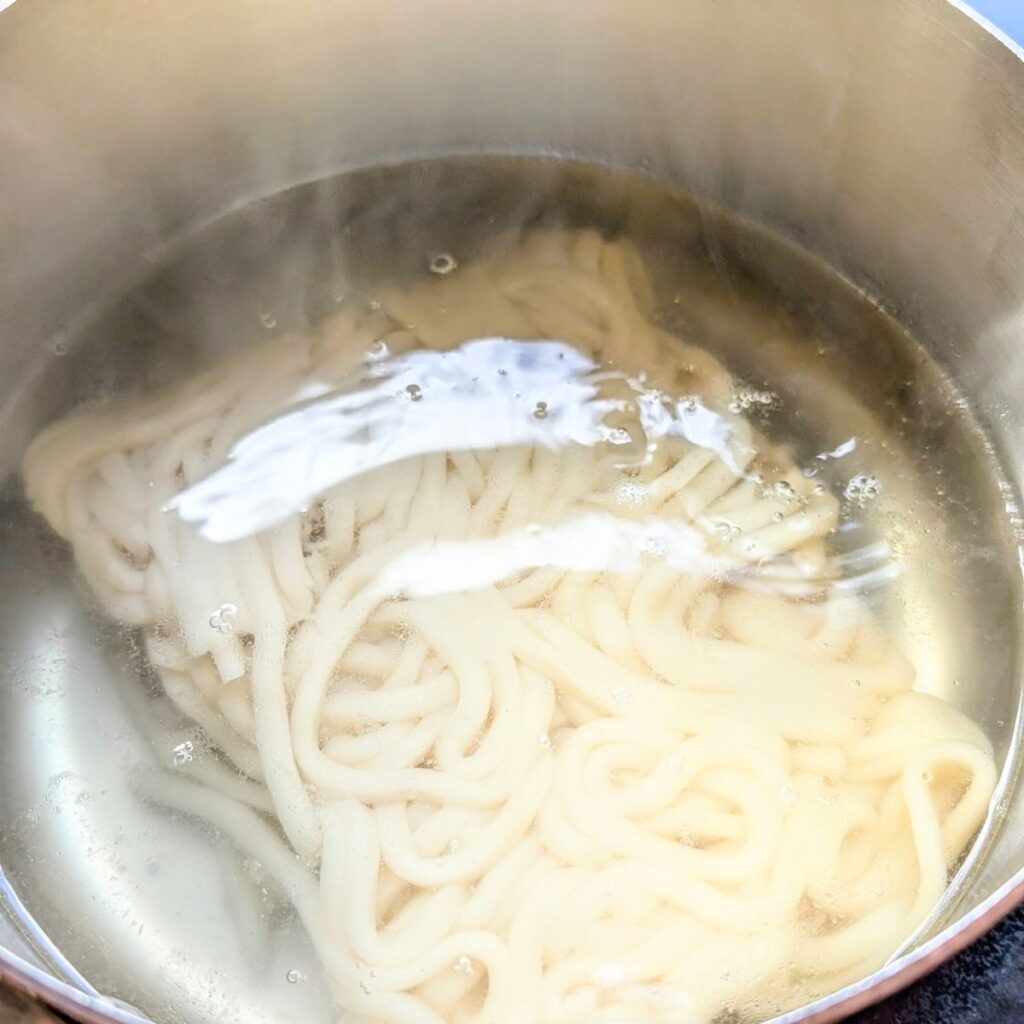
(18, 974)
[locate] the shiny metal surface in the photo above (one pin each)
(884, 136)
(157, 911)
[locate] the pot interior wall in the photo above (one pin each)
(884, 138)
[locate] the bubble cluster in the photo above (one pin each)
(726, 531)
(631, 494)
(222, 620)
(747, 399)
(656, 547)
(862, 489)
(183, 754)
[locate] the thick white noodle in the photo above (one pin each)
(569, 796)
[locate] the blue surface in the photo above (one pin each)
(1007, 14)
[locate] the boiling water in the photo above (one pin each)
(155, 907)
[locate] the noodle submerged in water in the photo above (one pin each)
(545, 700)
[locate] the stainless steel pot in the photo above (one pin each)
(886, 136)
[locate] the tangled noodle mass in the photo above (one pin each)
(544, 711)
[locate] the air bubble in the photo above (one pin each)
(442, 263)
(544, 741)
(463, 965)
(777, 517)
(60, 348)
(377, 351)
(415, 392)
(785, 489)
(454, 845)
(293, 977)
(787, 795)
(183, 754)
(222, 619)
(622, 695)
(268, 320)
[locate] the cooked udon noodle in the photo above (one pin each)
(636, 789)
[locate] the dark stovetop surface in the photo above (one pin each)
(983, 985)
